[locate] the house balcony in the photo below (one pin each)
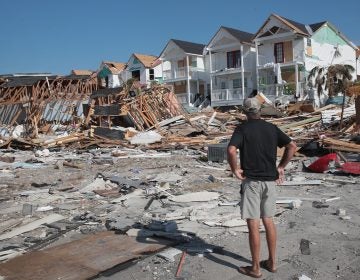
(226, 71)
(278, 91)
(180, 74)
(183, 98)
(268, 62)
(219, 68)
(228, 97)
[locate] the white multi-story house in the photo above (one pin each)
(286, 51)
(110, 74)
(231, 62)
(144, 68)
(183, 67)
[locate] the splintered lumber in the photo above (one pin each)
(341, 145)
(300, 123)
(59, 140)
(30, 226)
(154, 107)
(81, 259)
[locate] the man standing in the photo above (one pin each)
(257, 141)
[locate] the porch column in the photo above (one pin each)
(188, 79)
(210, 63)
(242, 70)
(296, 81)
(257, 66)
(173, 69)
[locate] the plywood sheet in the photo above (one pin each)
(79, 259)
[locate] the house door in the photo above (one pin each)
(136, 75)
(288, 51)
(201, 89)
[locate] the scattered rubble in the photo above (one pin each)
(134, 163)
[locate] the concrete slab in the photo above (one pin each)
(196, 196)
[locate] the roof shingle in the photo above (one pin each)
(189, 47)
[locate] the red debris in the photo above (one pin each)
(351, 168)
(322, 164)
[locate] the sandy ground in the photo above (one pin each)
(334, 241)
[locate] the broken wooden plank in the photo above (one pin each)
(300, 123)
(31, 226)
(300, 183)
(80, 259)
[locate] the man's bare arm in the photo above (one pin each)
(232, 160)
(289, 152)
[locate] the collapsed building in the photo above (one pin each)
(38, 101)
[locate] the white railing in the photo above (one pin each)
(275, 90)
(167, 74)
(263, 60)
(183, 98)
(182, 73)
(227, 94)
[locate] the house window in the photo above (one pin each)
(181, 63)
(274, 29)
(192, 61)
(136, 75)
(223, 85)
(308, 43)
(151, 74)
(279, 52)
(237, 83)
(233, 59)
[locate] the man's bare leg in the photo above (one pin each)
(271, 242)
(254, 242)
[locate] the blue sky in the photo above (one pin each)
(58, 36)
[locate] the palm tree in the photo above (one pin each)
(334, 78)
(354, 90)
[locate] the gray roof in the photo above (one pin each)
(303, 27)
(19, 81)
(189, 47)
(316, 26)
(105, 92)
(242, 36)
(25, 81)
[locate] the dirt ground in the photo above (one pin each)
(334, 240)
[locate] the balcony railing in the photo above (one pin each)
(272, 91)
(181, 72)
(227, 94)
(263, 60)
(183, 98)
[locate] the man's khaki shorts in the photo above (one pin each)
(258, 199)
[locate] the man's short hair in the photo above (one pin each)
(252, 105)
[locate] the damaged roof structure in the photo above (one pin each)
(39, 100)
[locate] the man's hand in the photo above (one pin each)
(239, 174)
(281, 172)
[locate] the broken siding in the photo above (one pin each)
(59, 99)
(63, 110)
(326, 35)
(324, 43)
(10, 114)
